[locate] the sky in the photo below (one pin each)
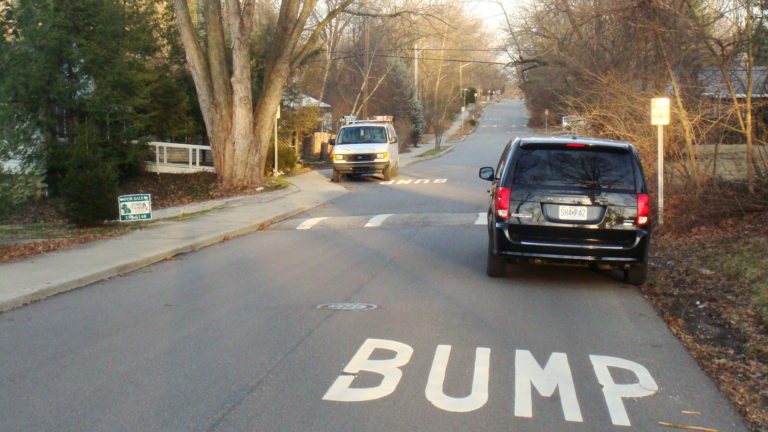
(488, 10)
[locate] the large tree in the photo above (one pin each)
(238, 125)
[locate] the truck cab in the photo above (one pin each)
(366, 147)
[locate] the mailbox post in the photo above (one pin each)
(660, 117)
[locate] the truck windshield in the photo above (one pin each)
(362, 134)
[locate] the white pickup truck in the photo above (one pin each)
(365, 147)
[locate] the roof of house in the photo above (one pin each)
(714, 84)
(306, 101)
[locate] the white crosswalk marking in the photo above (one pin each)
(377, 220)
(387, 220)
(309, 223)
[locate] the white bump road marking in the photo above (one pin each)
(614, 393)
(309, 223)
(383, 220)
(554, 379)
(555, 375)
(341, 391)
(479, 395)
(376, 221)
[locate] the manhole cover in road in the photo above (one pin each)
(347, 306)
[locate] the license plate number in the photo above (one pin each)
(577, 213)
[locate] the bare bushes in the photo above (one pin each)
(696, 188)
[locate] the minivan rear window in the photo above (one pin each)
(593, 168)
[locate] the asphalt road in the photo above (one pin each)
(231, 338)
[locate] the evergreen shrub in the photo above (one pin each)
(88, 188)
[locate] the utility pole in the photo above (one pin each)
(368, 67)
(416, 52)
(461, 87)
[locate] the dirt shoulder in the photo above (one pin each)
(711, 287)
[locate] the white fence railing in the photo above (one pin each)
(181, 158)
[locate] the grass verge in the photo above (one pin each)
(433, 152)
(746, 262)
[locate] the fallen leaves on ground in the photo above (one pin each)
(168, 190)
(711, 310)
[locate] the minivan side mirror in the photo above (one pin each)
(486, 173)
(332, 141)
(393, 140)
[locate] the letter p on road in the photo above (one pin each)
(614, 393)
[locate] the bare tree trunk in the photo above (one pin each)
(748, 132)
(238, 128)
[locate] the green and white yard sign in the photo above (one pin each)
(135, 207)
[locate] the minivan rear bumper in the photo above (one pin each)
(633, 252)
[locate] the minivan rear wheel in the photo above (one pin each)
(494, 264)
(636, 275)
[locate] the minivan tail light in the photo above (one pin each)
(643, 209)
(502, 202)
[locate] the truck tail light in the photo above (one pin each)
(502, 202)
(643, 209)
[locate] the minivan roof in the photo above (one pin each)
(565, 139)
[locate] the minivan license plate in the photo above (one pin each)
(578, 213)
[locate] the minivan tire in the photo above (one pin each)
(636, 275)
(494, 265)
(336, 176)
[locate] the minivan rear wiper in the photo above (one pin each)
(591, 184)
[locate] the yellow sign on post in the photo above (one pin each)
(659, 118)
(660, 111)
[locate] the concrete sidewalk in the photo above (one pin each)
(45, 275)
(42, 276)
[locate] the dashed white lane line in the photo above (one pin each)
(480, 219)
(309, 223)
(377, 220)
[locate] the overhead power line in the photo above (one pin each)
(411, 58)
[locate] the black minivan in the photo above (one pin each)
(569, 199)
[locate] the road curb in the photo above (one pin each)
(130, 266)
(426, 158)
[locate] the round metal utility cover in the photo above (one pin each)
(347, 306)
